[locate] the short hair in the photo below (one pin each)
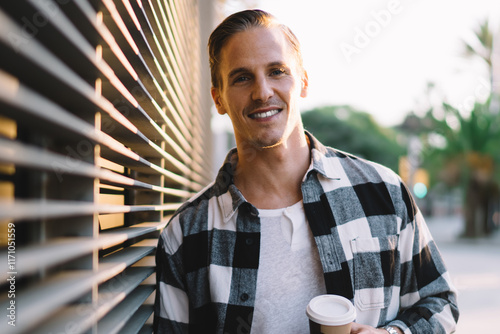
(239, 22)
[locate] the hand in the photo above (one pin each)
(364, 329)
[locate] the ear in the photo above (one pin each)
(305, 84)
(217, 100)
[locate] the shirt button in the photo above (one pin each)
(249, 241)
(244, 297)
(252, 210)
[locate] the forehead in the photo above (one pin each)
(257, 46)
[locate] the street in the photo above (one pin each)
(474, 266)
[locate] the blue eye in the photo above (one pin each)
(278, 71)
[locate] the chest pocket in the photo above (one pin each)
(376, 267)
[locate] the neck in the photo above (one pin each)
(271, 178)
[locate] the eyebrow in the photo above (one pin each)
(240, 70)
(237, 71)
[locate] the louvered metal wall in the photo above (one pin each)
(102, 135)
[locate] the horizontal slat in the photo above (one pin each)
(35, 58)
(123, 33)
(128, 256)
(165, 49)
(58, 70)
(112, 238)
(32, 108)
(33, 157)
(82, 316)
(123, 78)
(123, 284)
(36, 108)
(64, 25)
(45, 298)
(173, 93)
(118, 317)
(40, 301)
(69, 45)
(179, 46)
(36, 258)
(150, 149)
(118, 51)
(46, 209)
(146, 329)
(168, 59)
(136, 323)
(39, 257)
(66, 34)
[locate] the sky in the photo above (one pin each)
(379, 55)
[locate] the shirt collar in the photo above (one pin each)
(230, 198)
(321, 161)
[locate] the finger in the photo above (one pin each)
(355, 328)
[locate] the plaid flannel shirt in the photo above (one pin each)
(374, 247)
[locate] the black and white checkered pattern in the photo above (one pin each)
(374, 247)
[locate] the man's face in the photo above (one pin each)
(261, 83)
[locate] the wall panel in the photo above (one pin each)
(102, 136)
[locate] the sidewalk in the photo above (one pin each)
(474, 266)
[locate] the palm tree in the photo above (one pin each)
(481, 46)
(470, 158)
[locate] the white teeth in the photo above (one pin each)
(265, 114)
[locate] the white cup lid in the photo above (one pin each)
(331, 310)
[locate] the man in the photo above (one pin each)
(288, 219)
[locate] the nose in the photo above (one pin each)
(262, 90)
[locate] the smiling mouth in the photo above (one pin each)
(264, 114)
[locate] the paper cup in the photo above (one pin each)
(330, 314)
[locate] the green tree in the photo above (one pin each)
(355, 132)
(469, 158)
(481, 46)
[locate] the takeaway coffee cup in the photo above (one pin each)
(330, 314)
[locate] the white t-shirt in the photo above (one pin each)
(290, 272)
